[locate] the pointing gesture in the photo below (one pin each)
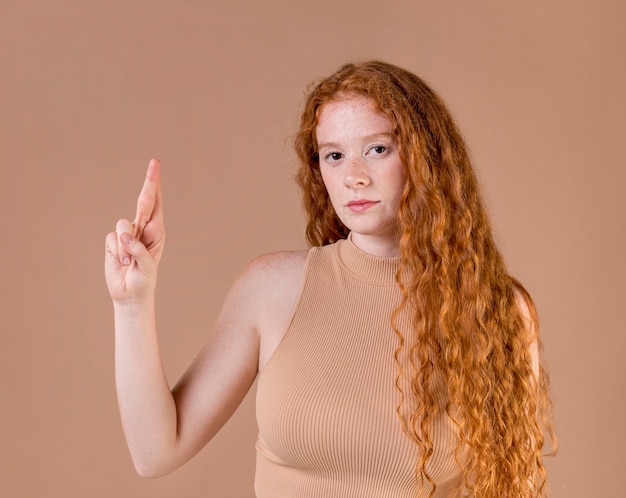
(134, 250)
(149, 203)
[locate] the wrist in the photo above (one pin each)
(135, 305)
(132, 316)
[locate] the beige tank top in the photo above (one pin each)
(326, 400)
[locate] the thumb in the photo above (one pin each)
(138, 251)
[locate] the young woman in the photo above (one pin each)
(396, 357)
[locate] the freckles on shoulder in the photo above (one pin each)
(273, 280)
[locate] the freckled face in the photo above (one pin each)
(361, 169)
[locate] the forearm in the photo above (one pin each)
(146, 404)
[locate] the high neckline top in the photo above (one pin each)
(366, 267)
(327, 398)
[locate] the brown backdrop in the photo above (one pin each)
(91, 90)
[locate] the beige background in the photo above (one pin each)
(89, 91)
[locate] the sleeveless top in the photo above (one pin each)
(327, 398)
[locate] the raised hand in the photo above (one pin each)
(134, 250)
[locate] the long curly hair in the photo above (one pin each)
(474, 327)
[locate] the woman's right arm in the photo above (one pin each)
(132, 256)
(164, 427)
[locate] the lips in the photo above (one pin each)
(360, 205)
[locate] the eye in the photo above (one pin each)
(333, 156)
(379, 149)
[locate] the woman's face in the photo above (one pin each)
(361, 170)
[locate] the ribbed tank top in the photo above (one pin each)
(326, 400)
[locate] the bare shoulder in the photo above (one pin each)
(267, 282)
(282, 268)
(275, 280)
(270, 285)
(283, 261)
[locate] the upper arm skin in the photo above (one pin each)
(254, 314)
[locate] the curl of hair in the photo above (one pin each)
(473, 325)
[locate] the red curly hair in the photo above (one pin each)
(474, 326)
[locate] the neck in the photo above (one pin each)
(383, 247)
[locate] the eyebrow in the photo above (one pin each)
(366, 137)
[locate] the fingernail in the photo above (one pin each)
(126, 260)
(126, 239)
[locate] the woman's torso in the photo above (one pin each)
(327, 396)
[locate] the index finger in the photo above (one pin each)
(147, 197)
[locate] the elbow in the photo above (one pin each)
(151, 469)
(148, 472)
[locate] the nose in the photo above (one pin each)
(356, 174)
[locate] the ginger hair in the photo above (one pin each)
(474, 327)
